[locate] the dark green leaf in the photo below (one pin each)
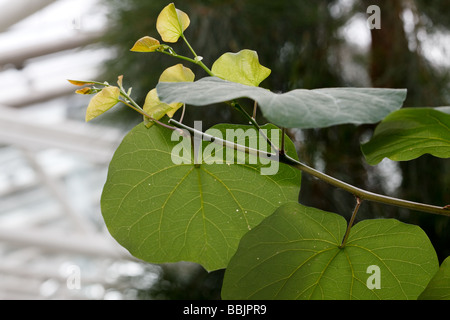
(409, 133)
(299, 108)
(439, 286)
(295, 254)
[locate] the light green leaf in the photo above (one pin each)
(163, 208)
(295, 254)
(299, 108)
(103, 101)
(156, 109)
(242, 67)
(439, 286)
(171, 23)
(409, 133)
(177, 73)
(146, 44)
(153, 106)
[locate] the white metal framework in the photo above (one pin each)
(53, 244)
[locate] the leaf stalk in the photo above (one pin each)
(350, 223)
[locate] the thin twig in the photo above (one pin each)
(363, 194)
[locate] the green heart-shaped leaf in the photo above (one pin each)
(295, 254)
(163, 207)
(242, 67)
(439, 286)
(409, 133)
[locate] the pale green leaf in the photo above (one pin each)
(299, 108)
(177, 73)
(156, 109)
(153, 106)
(408, 134)
(295, 254)
(242, 67)
(439, 286)
(171, 23)
(103, 101)
(163, 208)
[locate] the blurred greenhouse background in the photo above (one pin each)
(53, 243)
(52, 165)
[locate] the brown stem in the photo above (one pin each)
(350, 223)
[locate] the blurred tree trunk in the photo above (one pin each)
(389, 53)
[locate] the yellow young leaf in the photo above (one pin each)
(171, 23)
(102, 102)
(177, 73)
(146, 44)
